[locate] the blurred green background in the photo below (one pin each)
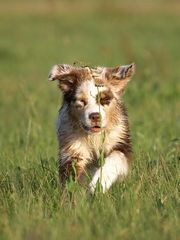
(34, 35)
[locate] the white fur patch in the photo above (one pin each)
(116, 165)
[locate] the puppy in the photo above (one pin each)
(92, 120)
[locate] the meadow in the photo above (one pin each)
(38, 34)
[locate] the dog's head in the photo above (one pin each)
(92, 93)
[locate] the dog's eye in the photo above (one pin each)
(80, 103)
(104, 97)
(105, 101)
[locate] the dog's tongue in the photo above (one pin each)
(95, 129)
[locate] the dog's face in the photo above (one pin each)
(92, 93)
(91, 105)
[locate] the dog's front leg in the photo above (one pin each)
(73, 167)
(116, 165)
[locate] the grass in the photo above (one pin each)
(146, 204)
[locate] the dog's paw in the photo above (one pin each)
(105, 182)
(93, 183)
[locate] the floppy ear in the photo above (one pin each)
(65, 75)
(119, 77)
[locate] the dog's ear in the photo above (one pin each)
(119, 77)
(66, 76)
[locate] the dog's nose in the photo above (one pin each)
(94, 117)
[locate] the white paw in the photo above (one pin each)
(92, 185)
(96, 180)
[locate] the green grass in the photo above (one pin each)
(146, 204)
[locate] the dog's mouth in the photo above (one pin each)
(93, 129)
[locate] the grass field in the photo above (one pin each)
(34, 37)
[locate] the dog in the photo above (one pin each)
(92, 119)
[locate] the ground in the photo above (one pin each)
(36, 36)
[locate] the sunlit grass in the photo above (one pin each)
(146, 204)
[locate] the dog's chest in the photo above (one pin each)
(95, 145)
(98, 143)
(88, 147)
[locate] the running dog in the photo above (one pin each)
(93, 119)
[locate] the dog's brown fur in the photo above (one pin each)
(79, 145)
